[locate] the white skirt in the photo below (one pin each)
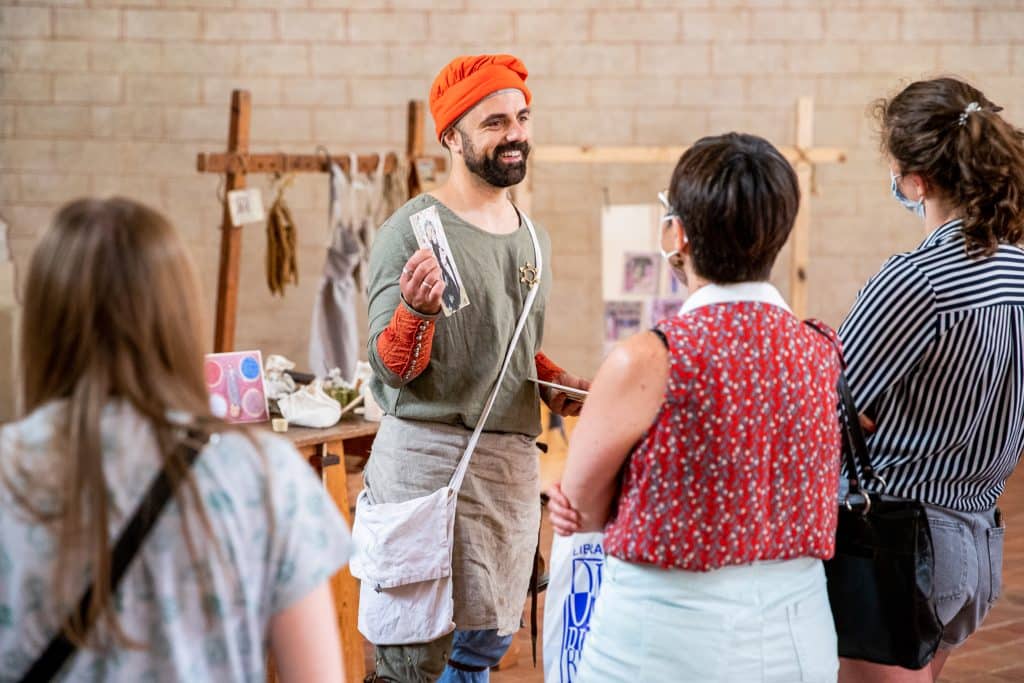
(768, 621)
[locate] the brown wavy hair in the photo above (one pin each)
(975, 159)
(112, 313)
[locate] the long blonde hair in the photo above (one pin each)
(111, 313)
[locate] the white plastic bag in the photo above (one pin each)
(310, 407)
(278, 382)
(576, 570)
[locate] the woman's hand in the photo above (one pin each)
(564, 519)
(558, 401)
(421, 282)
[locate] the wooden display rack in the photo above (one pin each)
(238, 162)
(325, 449)
(803, 156)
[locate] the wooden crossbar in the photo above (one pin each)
(569, 154)
(803, 156)
(294, 163)
(238, 162)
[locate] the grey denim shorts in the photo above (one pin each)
(968, 568)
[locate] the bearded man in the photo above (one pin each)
(435, 364)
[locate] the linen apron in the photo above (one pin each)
(496, 519)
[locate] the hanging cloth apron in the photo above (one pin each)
(334, 334)
(403, 551)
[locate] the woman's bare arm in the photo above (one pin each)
(624, 399)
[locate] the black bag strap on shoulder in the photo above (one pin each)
(855, 448)
(60, 649)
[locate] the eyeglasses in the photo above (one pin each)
(669, 213)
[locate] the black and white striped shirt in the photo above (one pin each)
(934, 347)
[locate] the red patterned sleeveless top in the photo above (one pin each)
(741, 463)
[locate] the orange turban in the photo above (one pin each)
(467, 80)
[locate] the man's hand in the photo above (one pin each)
(558, 401)
(421, 282)
(564, 519)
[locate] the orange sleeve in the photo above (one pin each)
(404, 345)
(546, 368)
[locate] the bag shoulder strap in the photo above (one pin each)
(855, 448)
(460, 472)
(60, 649)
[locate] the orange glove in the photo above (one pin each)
(404, 345)
(546, 368)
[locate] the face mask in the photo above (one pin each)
(669, 255)
(917, 208)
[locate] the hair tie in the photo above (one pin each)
(968, 110)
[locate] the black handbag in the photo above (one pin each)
(881, 580)
(59, 650)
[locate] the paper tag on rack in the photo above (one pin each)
(246, 206)
(426, 171)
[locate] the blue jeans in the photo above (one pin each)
(477, 650)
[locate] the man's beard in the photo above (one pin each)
(490, 168)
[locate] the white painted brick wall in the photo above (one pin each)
(117, 97)
(96, 24)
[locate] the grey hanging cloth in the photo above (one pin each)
(359, 204)
(334, 335)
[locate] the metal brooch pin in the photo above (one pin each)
(528, 274)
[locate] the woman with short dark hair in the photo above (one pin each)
(708, 451)
(934, 344)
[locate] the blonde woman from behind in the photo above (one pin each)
(113, 382)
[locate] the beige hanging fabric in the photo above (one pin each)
(359, 203)
(282, 262)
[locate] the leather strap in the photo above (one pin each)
(855, 449)
(458, 666)
(60, 649)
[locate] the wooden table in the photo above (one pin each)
(327, 450)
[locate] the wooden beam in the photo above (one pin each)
(800, 239)
(414, 143)
(231, 236)
(293, 163)
(568, 154)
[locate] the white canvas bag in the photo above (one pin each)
(403, 551)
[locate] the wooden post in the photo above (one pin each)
(231, 236)
(10, 313)
(800, 240)
(414, 144)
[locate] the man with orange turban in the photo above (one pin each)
(440, 322)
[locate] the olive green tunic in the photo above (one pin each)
(429, 418)
(470, 345)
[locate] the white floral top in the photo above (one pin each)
(201, 621)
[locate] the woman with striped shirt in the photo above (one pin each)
(934, 344)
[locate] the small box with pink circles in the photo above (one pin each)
(235, 383)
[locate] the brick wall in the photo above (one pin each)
(117, 96)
